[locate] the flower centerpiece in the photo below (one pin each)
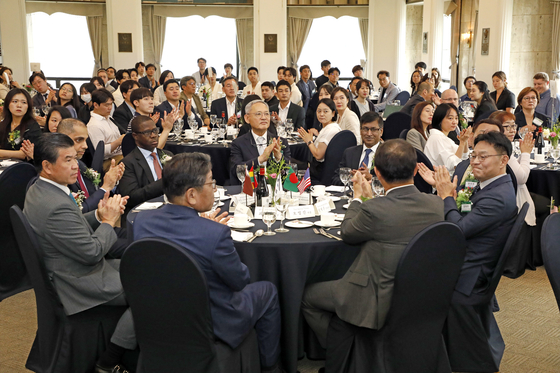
(14, 138)
(554, 133)
(29, 89)
(276, 171)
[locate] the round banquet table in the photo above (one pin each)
(545, 182)
(220, 155)
(290, 261)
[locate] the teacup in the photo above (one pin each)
(318, 190)
(240, 219)
(222, 192)
(539, 158)
(328, 218)
(203, 130)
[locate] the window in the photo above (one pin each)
(445, 68)
(187, 39)
(61, 44)
(335, 39)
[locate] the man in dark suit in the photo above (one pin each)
(141, 180)
(285, 108)
(360, 158)
(258, 145)
(125, 112)
(306, 85)
(74, 244)
(236, 305)
(44, 96)
(149, 81)
(425, 93)
(172, 93)
(325, 67)
(227, 106)
(363, 296)
(268, 94)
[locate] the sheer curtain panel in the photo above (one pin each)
(244, 46)
(364, 24)
(556, 35)
(95, 28)
(298, 30)
(157, 31)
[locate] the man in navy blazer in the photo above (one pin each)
(149, 81)
(125, 112)
(229, 105)
(172, 92)
(294, 112)
(258, 145)
(236, 305)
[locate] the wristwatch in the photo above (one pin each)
(309, 142)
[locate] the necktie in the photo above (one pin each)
(261, 144)
(73, 199)
(366, 159)
(475, 190)
(157, 167)
(82, 185)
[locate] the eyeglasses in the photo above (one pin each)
(155, 131)
(213, 182)
(510, 127)
(482, 158)
(370, 129)
(260, 114)
(529, 98)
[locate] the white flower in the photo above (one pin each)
(164, 158)
(546, 133)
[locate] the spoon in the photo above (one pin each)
(258, 233)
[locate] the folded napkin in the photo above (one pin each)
(149, 206)
(241, 236)
(334, 188)
(7, 163)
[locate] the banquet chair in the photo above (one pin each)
(87, 158)
(63, 343)
(395, 124)
(339, 143)
(419, 182)
(411, 339)
(98, 155)
(403, 97)
(473, 339)
(404, 133)
(485, 115)
(550, 239)
(13, 183)
(168, 296)
(128, 144)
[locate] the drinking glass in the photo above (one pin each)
(194, 126)
(282, 207)
(36, 111)
(45, 109)
(241, 170)
(282, 130)
(216, 200)
(215, 133)
(516, 149)
(269, 217)
(223, 131)
(555, 153)
(377, 187)
(523, 131)
(289, 127)
(213, 120)
(345, 174)
(178, 127)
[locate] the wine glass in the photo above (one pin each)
(345, 174)
(213, 119)
(377, 187)
(523, 131)
(282, 206)
(516, 149)
(215, 133)
(555, 154)
(289, 127)
(45, 109)
(178, 127)
(36, 112)
(223, 131)
(194, 125)
(241, 171)
(269, 217)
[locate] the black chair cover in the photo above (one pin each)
(63, 343)
(484, 115)
(128, 144)
(395, 124)
(472, 336)
(97, 162)
(404, 133)
(13, 186)
(410, 340)
(403, 97)
(168, 296)
(419, 182)
(339, 143)
(550, 240)
(87, 158)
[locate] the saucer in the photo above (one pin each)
(248, 224)
(537, 162)
(327, 225)
(298, 224)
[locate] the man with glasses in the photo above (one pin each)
(141, 180)
(387, 90)
(258, 146)
(360, 158)
(188, 85)
(486, 223)
(541, 83)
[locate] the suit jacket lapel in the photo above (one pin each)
(356, 156)
(144, 164)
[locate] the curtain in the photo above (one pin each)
(455, 38)
(556, 36)
(244, 46)
(95, 28)
(157, 33)
(474, 45)
(298, 30)
(364, 24)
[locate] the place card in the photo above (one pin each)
(324, 206)
(305, 199)
(242, 209)
(258, 213)
(334, 188)
(243, 199)
(296, 212)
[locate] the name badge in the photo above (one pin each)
(470, 184)
(466, 207)
(324, 206)
(538, 121)
(296, 212)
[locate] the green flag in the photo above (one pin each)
(291, 181)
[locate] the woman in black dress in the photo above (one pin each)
(480, 94)
(528, 99)
(502, 96)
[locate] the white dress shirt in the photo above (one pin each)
(440, 150)
(283, 113)
(260, 141)
(150, 160)
(296, 95)
(230, 108)
(103, 129)
(371, 155)
(521, 168)
(248, 90)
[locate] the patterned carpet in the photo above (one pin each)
(529, 321)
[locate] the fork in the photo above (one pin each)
(330, 235)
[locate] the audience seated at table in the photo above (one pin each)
(55, 116)
(173, 103)
(528, 99)
(188, 86)
(479, 93)
(286, 109)
(290, 75)
(541, 83)
(502, 96)
(102, 128)
(149, 81)
(362, 104)
(327, 115)
(363, 296)
(68, 98)
(421, 124)
(236, 305)
(212, 87)
(159, 95)
(227, 107)
(254, 86)
(268, 94)
(18, 125)
(74, 244)
(347, 119)
(360, 158)
(125, 112)
(258, 146)
(425, 93)
(305, 85)
(84, 114)
(388, 91)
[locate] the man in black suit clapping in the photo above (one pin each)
(229, 105)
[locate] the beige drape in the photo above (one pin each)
(244, 46)
(364, 24)
(157, 35)
(455, 39)
(556, 36)
(298, 30)
(95, 28)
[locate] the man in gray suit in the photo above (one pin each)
(74, 244)
(383, 227)
(387, 90)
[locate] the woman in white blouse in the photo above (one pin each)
(327, 115)
(347, 119)
(440, 149)
(362, 104)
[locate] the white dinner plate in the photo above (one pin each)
(345, 206)
(320, 195)
(248, 224)
(298, 224)
(326, 225)
(334, 198)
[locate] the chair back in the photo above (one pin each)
(404, 133)
(98, 155)
(484, 115)
(168, 296)
(511, 174)
(339, 143)
(87, 158)
(403, 97)
(13, 186)
(550, 243)
(395, 124)
(486, 296)
(50, 314)
(419, 182)
(128, 144)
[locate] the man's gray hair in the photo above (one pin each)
(250, 105)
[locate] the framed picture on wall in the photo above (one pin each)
(270, 43)
(125, 43)
(485, 41)
(425, 42)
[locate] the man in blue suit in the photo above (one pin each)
(236, 305)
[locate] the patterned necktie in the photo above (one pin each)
(366, 159)
(157, 166)
(261, 144)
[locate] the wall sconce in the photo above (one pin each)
(467, 38)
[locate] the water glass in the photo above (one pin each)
(241, 170)
(555, 153)
(377, 187)
(178, 127)
(213, 120)
(282, 207)
(215, 133)
(269, 217)
(345, 174)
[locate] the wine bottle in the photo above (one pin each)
(540, 142)
(262, 189)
